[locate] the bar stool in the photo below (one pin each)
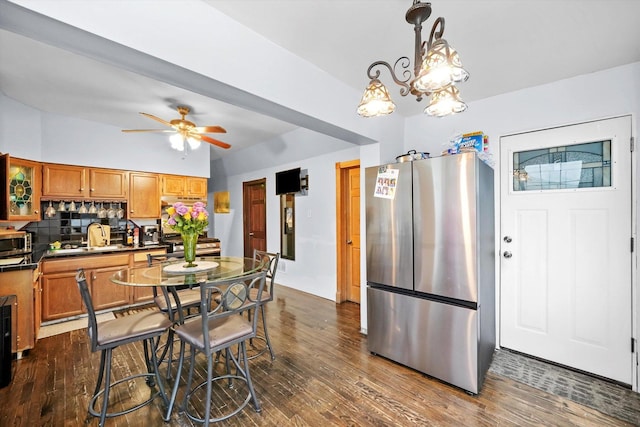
(145, 326)
(218, 328)
(182, 298)
(271, 266)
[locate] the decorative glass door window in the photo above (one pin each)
(20, 190)
(584, 165)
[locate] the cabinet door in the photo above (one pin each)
(196, 187)
(144, 200)
(37, 302)
(64, 182)
(24, 183)
(173, 185)
(60, 296)
(143, 293)
(108, 184)
(105, 293)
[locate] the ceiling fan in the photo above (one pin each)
(185, 130)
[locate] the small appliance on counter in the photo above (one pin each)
(15, 247)
(150, 235)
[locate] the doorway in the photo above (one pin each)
(348, 230)
(565, 246)
(254, 215)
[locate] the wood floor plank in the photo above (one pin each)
(323, 375)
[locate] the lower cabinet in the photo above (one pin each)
(60, 294)
(139, 259)
(20, 284)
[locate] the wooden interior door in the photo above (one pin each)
(348, 223)
(254, 214)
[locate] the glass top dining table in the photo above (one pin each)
(173, 273)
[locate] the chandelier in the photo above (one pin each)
(437, 70)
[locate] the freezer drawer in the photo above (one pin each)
(438, 339)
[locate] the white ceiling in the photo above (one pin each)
(506, 45)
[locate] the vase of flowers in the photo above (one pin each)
(190, 222)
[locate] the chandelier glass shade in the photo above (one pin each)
(441, 68)
(376, 100)
(444, 102)
(437, 69)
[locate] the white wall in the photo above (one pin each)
(32, 134)
(314, 269)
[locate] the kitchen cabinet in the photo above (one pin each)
(77, 182)
(143, 293)
(20, 196)
(144, 195)
(59, 290)
(20, 284)
(60, 295)
(37, 302)
(184, 186)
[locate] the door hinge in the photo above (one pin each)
(633, 345)
(632, 143)
(632, 244)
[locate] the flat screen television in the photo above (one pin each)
(288, 181)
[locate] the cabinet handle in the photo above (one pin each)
(36, 212)
(92, 189)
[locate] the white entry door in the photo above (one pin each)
(566, 231)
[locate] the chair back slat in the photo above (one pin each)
(271, 265)
(88, 303)
(224, 298)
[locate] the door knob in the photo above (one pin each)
(507, 239)
(250, 234)
(507, 254)
(349, 242)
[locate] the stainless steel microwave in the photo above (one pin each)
(14, 243)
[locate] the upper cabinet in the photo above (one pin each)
(76, 182)
(144, 195)
(20, 194)
(184, 186)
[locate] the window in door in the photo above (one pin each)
(585, 165)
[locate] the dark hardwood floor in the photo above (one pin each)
(323, 375)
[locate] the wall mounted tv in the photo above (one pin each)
(288, 181)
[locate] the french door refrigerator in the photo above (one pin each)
(431, 266)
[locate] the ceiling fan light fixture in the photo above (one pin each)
(444, 102)
(177, 141)
(193, 142)
(375, 100)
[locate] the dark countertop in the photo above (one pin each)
(64, 254)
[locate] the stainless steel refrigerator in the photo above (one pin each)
(431, 268)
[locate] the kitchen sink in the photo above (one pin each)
(84, 249)
(103, 248)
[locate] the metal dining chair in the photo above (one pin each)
(271, 266)
(146, 326)
(219, 328)
(174, 304)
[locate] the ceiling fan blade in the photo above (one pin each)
(148, 130)
(209, 129)
(158, 119)
(211, 141)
